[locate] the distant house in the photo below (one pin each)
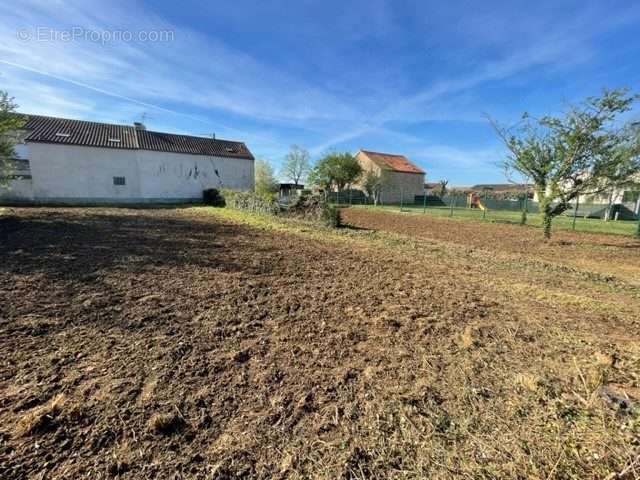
(432, 188)
(400, 177)
(74, 161)
(629, 194)
(502, 187)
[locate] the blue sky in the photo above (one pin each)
(415, 78)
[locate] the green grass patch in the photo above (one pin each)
(563, 222)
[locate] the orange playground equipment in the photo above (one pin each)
(473, 201)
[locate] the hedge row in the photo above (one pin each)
(251, 202)
(314, 208)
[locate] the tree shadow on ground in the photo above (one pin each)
(355, 228)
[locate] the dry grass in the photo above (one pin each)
(41, 418)
(517, 394)
(281, 350)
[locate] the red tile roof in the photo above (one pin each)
(397, 163)
(93, 134)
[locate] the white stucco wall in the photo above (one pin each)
(19, 189)
(67, 173)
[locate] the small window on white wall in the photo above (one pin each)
(119, 181)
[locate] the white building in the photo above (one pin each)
(73, 161)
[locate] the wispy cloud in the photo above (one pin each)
(189, 70)
(392, 79)
(550, 46)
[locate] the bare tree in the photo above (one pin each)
(443, 187)
(296, 164)
(583, 152)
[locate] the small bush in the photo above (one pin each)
(331, 216)
(211, 196)
(251, 202)
(316, 209)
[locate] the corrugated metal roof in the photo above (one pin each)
(93, 134)
(397, 163)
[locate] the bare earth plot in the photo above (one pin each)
(609, 254)
(196, 343)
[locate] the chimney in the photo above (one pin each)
(139, 126)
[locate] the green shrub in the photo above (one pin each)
(251, 202)
(211, 196)
(331, 216)
(315, 208)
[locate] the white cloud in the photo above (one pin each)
(191, 70)
(539, 45)
(197, 83)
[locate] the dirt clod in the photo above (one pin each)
(166, 423)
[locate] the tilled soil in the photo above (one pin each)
(599, 252)
(170, 344)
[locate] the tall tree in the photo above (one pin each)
(336, 170)
(265, 180)
(585, 151)
(296, 164)
(10, 122)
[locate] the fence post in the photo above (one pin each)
(424, 202)
(350, 196)
(484, 210)
(575, 212)
(451, 211)
(401, 198)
